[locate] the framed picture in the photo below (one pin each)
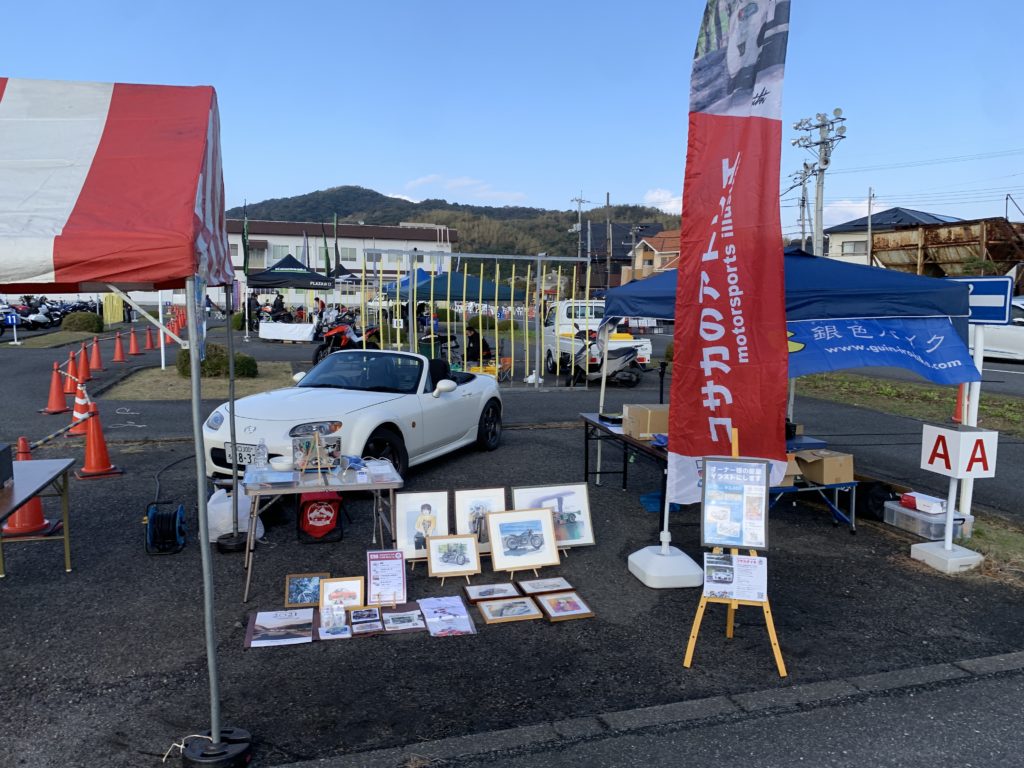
(302, 590)
(334, 624)
(569, 505)
(454, 555)
(367, 628)
(341, 593)
(509, 609)
(476, 593)
(540, 586)
(359, 615)
(562, 606)
(385, 577)
(316, 452)
(417, 516)
(522, 539)
(734, 503)
(471, 510)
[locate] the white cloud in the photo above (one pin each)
(664, 200)
(468, 189)
(431, 179)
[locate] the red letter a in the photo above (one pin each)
(978, 454)
(940, 451)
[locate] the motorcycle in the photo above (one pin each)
(341, 332)
(587, 363)
(454, 556)
(523, 540)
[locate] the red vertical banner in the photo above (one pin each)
(730, 365)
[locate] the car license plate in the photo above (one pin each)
(246, 453)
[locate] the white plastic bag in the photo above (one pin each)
(218, 514)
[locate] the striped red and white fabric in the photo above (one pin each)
(109, 183)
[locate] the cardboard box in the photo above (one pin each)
(922, 502)
(825, 467)
(792, 471)
(642, 422)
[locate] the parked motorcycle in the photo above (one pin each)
(523, 540)
(454, 556)
(341, 332)
(587, 363)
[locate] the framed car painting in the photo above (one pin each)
(508, 609)
(570, 508)
(341, 593)
(562, 606)
(417, 516)
(471, 510)
(522, 539)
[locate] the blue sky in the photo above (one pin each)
(534, 103)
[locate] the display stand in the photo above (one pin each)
(730, 619)
(513, 571)
(445, 577)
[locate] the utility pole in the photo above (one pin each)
(830, 132)
(871, 250)
(608, 262)
(579, 223)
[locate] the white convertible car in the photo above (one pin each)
(395, 405)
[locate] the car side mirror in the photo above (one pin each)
(297, 377)
(443, 386)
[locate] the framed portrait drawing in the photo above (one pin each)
(570, 508)
(341, 593)
(562, 606)
(508, 609)
(453, 555)
(475, 593)
(522, 539)
(471, 510)
(417, 516)
(302, 590)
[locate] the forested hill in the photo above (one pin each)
(482, 229)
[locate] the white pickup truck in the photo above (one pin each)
(564, 319)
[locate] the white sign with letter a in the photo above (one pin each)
(959, 452)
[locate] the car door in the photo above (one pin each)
(1007, 341)
(447, 416)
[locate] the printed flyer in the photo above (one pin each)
(385, 571)
(735, 503)
(736, 577)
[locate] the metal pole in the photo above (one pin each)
(608, 257)
(540, 323)
(819, 197)
(411, 299)
(871, 254)
(160, 331)
(229, 311)
(973, 398)
(204, 531)
(526, 322)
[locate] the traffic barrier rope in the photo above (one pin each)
(97, 460)
(29, 518)
(77, 428)
(118, 349)
(69, 382)
(96, 362)
(62, 431)
(57, 402)
(83, 364)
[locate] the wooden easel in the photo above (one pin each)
(466, 576)
(731, 617)
(513, 571)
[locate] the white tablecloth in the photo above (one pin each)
(287, 331)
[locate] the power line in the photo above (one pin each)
(931, 161)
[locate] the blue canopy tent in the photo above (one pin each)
(473, 288)
(843, 315)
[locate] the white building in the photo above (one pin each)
(849, 241)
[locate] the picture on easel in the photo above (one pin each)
(471, 510)
(735, 577)
(454, 555)
(522, 539)
(734, 504)
(316, 452)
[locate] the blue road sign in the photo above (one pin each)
(989, 300)
(10, 318)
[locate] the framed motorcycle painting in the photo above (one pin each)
(522, 539)
(570, 507)
(454, 555)
(471, 510)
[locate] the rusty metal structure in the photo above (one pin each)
(983, 246)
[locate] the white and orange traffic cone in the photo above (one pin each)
(97, 459)
(80, 414)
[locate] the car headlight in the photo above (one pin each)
(215, 420)
(323, 427)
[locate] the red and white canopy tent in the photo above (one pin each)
(112, 186)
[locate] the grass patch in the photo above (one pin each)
(919, 401)
(1003, 548)
(154, 384)
(49, 340)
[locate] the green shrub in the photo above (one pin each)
(669, 350)
(89, 322)
(446, 315)
(216, 363)
(488, 324)
(238, 321)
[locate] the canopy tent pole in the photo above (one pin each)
(512, 327)
(233, 541)
(448, 318)
(540, 321)
(600, 400)
(526, 325)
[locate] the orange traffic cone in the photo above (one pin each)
(959, 409)
(118, 349)
(83, 365)
(58, 400)
(96, 362)
(69, 383)
(149, 338)
(171, 328)
(80, 414)
(29, 517)
(133, 343)
(97, 460)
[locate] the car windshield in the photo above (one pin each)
(367, 371)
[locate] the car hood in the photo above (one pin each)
(308, 403)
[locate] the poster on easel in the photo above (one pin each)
(734, 503)
(736, 577)
(385, 573)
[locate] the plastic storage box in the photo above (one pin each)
(932, 527)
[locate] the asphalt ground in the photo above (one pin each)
(106, 665)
